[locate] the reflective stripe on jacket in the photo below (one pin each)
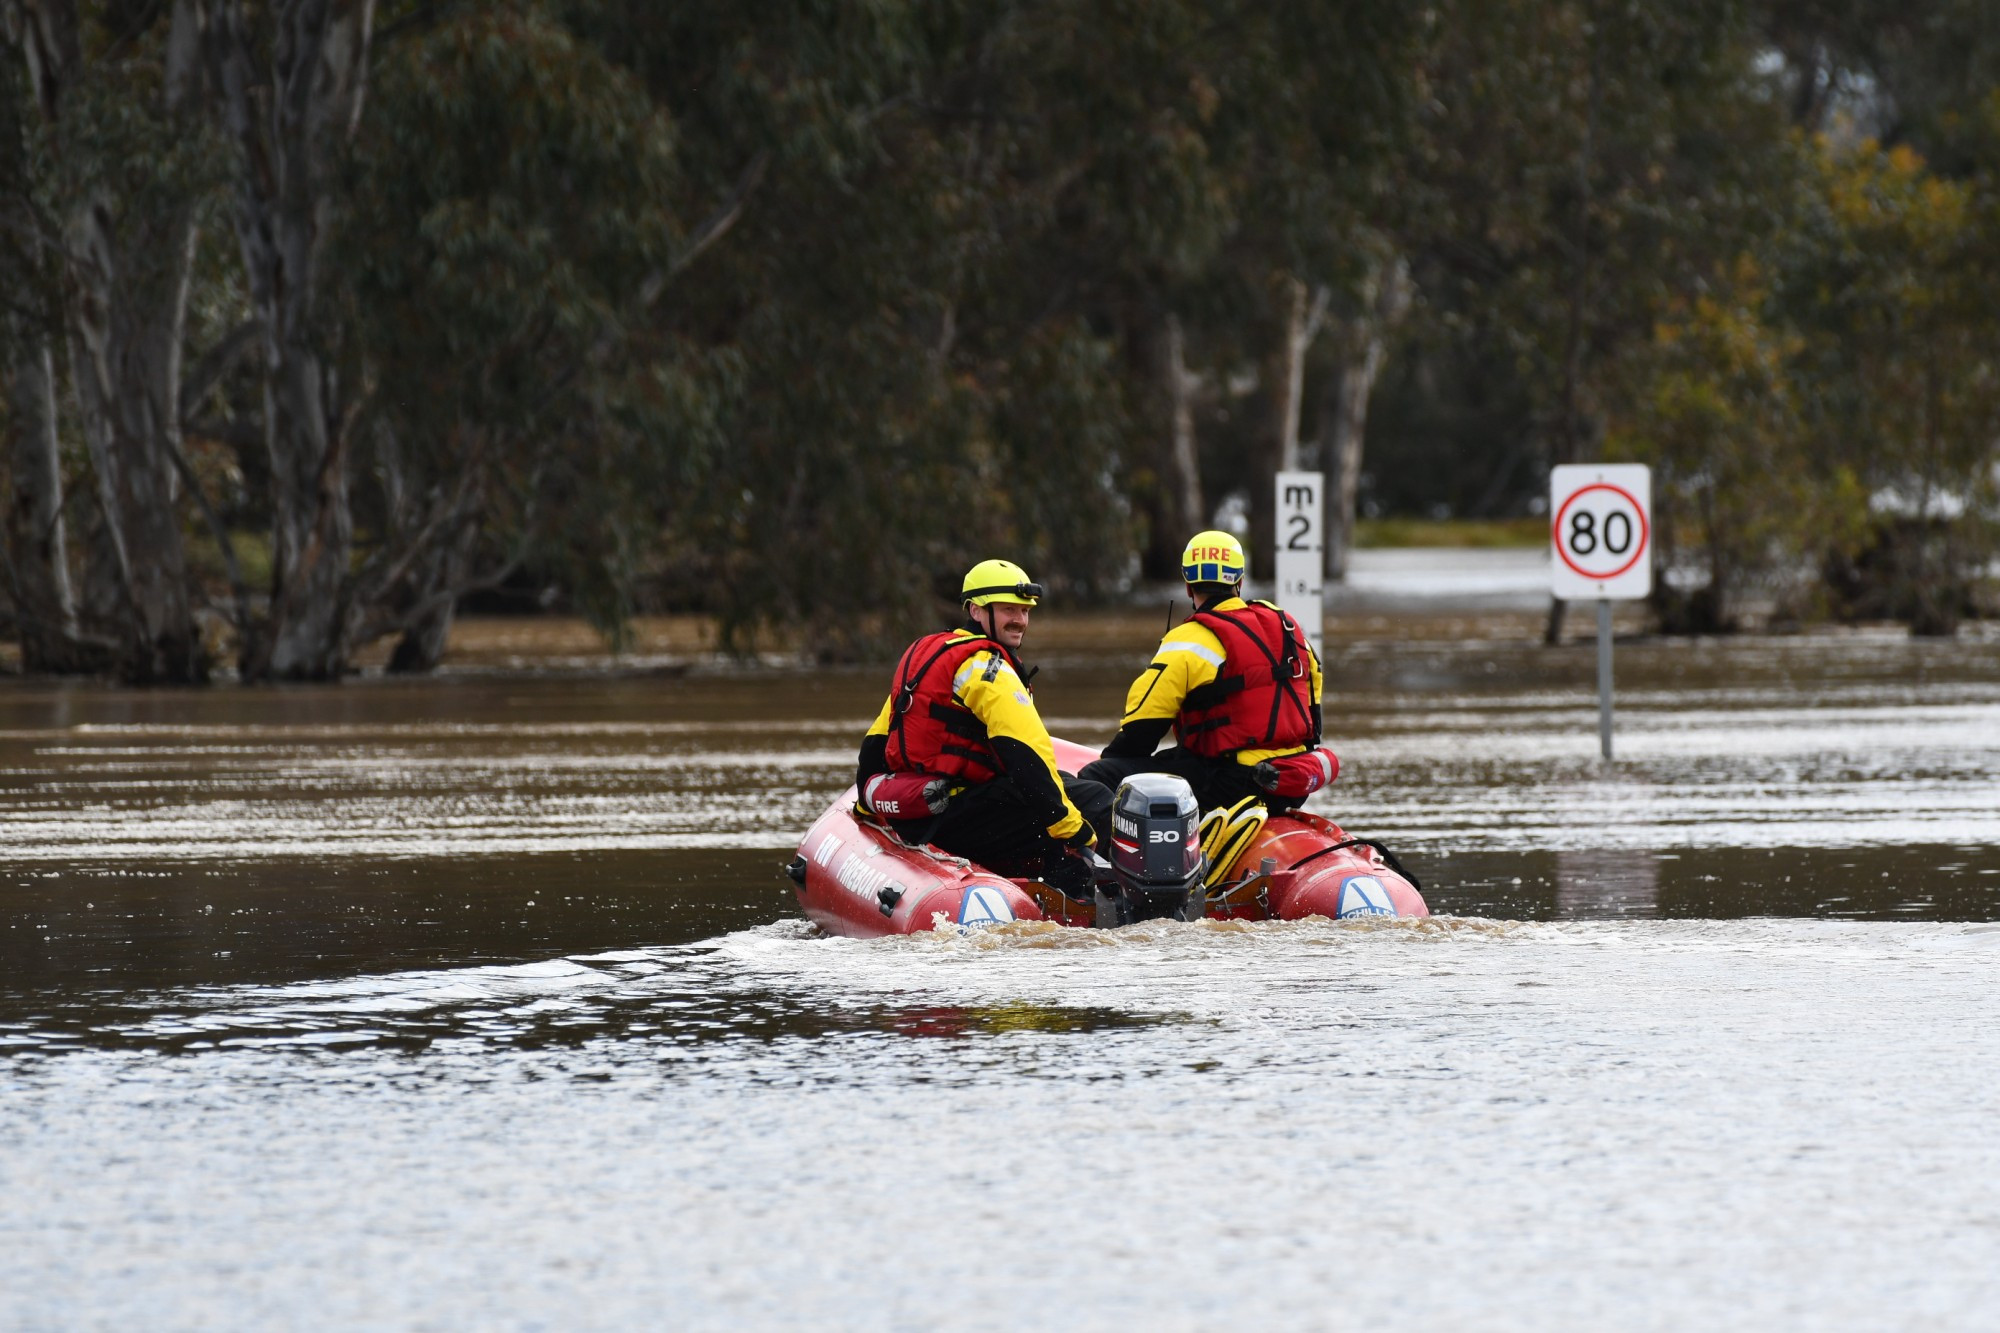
(930, 731)
(985, 683)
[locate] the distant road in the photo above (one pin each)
(1444, 579)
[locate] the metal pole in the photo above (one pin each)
(1604, 676)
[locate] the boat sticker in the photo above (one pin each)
(983, 905)
(1365, 895)
(858, 878)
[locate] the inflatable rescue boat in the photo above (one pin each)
(856, 877)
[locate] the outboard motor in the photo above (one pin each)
(1156, 856)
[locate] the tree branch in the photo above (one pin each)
(387, 567)
(420, 18)
(215, 363)
(442, 598)
(224, 542)
(231, 431)
(1316, 317)
(712, 229)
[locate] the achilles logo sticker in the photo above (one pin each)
(983, 905)
(1365, 895)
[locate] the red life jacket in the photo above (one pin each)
(1261, 697)
(930, 731)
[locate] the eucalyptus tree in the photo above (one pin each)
(289, 78)
(1324, 103)
(124, 172)
(507, 237)
(1893, 290)
(904, 383)
(36, 549)
(1586, 166)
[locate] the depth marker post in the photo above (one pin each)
(1601, 527)
(1298, 561)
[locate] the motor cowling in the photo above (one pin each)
(1156, 854)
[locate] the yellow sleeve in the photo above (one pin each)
(988, 685)
(881, 727)
(1190, 656)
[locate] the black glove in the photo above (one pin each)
(1070, 875)
(1083, 840)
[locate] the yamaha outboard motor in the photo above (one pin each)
(1156, 853)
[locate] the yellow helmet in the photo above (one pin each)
(1213, 557)
(999, 581)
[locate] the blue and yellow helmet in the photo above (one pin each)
(1213, 557)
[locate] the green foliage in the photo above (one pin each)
(1896, 297)
(790, 310)
(504, 217)
(1710, 403)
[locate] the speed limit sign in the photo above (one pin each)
(1602, 530)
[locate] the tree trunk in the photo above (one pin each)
(1289, 387)
(126, 268)
(443, 573)
(126, 326)
(1183, 460)
(36, 539)
(289, 102)
(1302, 313)
(1363, 342)
(1304, 316)
(37, 545)
(422, 646)
(312, 527)
(1156, 351)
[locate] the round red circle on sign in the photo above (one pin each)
(1638, 547)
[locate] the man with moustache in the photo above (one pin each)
(960, 727)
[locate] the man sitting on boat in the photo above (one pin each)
(959, 758)
(1238, 684)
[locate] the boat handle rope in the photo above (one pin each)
(1387, 856)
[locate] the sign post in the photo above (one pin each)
(1301, 527)
(1602, 533)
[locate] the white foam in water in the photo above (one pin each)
(1413, 1125)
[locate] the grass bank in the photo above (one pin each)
(1461, 533)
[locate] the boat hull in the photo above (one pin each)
(855, 878)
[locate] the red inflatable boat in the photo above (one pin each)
(855, 877)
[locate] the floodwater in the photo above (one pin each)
(480, 1001)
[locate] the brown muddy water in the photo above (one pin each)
(480, 1000)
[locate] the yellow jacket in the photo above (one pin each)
(988, 686)
(1188, 657)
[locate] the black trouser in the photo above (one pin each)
(993, 826)
(1216, 782)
